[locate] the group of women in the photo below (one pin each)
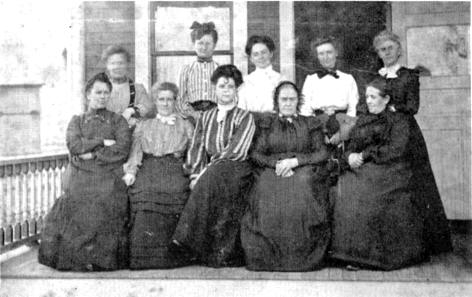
(225, 171)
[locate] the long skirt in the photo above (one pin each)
(210, 221)
(156, 201)
(86, 228)
(375, 222)
(286, 226)
(436, 233)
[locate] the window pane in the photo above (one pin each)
(172, 26)
(167, 68)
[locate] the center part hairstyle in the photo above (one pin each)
(227, 71)
(254, 39)
(101, 77)
(278, 89)
(323, 40)
(381, 85)
(113, 50)
(384, 36)
(200, 30)
(164, 86)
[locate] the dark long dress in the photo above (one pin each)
(210, 222)
(286, 226)
(406, 99)
(159, 193)
(87, 227)
(376, 222)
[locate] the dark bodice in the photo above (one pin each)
(382, 138)
(86, 133)
(279, 139)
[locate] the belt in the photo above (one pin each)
(320, 111)
(203, 105)
(150, 156)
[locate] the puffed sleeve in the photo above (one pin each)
(243, 96)
(136, 155)
(182, 100)
(411, 103)
(395, 146)
(353, 97)
(318, 152)
(143, 98)
(238, 146)
(76, 142)
(307, 92)
(196, 156)
(119, 151)
(260, 151)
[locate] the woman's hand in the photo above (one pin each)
(335, 139)
(132, 122)
(193, 182)
(128, 113)
(108, 142)
(129, 179)
(141, 109)
(355, 160)
(283, 167)
(86, 156)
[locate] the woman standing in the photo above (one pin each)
(376, 223)
(286, 226)
(221, 176)
(405, 99)
(160, 187)
(196, 91)
(256, 93)
(86, 228)
(127, 97)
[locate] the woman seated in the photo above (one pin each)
(86, 228)
(286, 226)
(221, 177)
(160, 187)
(375, 222)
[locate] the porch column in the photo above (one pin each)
(287, 40)
(142, 44)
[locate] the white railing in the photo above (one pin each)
(28, 189)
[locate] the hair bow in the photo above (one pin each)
(204, 26)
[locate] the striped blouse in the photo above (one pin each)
(195, 85)
(214, 141)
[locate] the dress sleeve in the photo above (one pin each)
(353, 99)
(259, 152)
(393, 148)
(238, 146)
(119, 151)
(318, 152)
(143, 98)
(411, 102)
(182, 100)
(136, 155)
(196, 156)
(307, 91)
(76, 142)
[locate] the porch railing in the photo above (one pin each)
(28, 188)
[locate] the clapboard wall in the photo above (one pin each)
(107, 23)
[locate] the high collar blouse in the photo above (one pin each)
(256, 93)
(120, 98)
(159, 138)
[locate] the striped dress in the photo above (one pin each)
(209, 223)
(195, 85)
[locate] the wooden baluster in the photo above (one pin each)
(17, 197)
(8, 203)
(32, 197)
(51, 183)
(24, 177)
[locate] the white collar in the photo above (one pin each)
(168, 120)
(391, 71)
(268, 70)
(223, 110)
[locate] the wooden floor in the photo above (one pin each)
(453, 267)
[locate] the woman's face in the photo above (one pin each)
(375, 102)
(389, 51)
(117, 66)
(288, 101)
(165, 102)
(225, 90)
(205, 46)
(261, 56)
(327, 55)
(98, 95)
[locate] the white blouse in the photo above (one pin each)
(330, 91)
(256, 93)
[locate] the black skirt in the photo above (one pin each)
(156, 201)
(210, 222)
